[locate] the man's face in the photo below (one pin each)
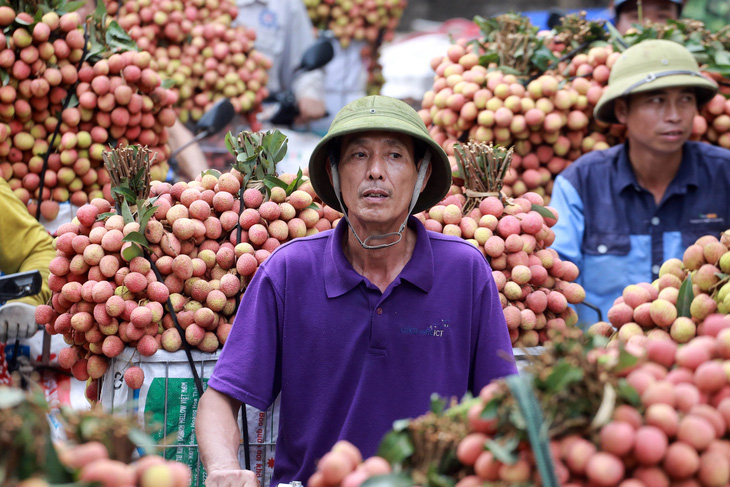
(658, 11)
(659, 121)
(377, 176)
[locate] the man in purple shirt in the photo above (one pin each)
(357, 327)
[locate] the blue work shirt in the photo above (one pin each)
(349, 359)
(613, 230)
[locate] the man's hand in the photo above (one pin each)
(310, 109)
(231, 478)
(17, 320)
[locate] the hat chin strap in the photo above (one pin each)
(416, 192)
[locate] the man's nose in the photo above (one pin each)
(375, 167)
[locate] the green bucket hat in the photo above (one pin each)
(387, 114)
(650, 65)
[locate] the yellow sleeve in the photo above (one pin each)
(24, 244)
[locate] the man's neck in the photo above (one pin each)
(380, 266)
(654, 171)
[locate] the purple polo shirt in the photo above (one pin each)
(348, 359)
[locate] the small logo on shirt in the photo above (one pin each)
(707, 218)
(435, 330)
(267, 18)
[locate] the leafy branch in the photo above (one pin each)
(257, 153)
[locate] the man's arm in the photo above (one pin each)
(24, 244)
(308, 87)
(570, 227)
(216, 429)
(191, 161)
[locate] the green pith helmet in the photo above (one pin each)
(387, 114)
(651, 65)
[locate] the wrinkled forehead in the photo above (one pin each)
(390, 139)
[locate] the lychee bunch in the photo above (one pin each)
(112, 97)
(677, 304)
(193, 44)
(205, 245)
(535, 285)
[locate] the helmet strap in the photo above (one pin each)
(414, 198)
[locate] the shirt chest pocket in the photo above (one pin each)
(607, 264)
(605, 243)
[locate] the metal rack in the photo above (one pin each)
(170, 397)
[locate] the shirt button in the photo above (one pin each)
(655, 269)
(379, 311)
(602, 249)
(655, 221)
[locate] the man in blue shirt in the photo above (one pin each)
(626, 210)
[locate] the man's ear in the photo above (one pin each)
(621, 109)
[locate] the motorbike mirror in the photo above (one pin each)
(20, 285)
(216, 118)
(317, 55)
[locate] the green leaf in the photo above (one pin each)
(490, 409)
(229, 143)
(272, 181)
(126, 192)
(167, 83)
(74, 6)
(131, 252)
(628, 393)
(138, 238)
(126, 212)
(142, 440)
(100, 10)
(685, 297)
(562, 375)
(487, 59)
(435, 479)
(145, 214)
(4, 77)
(21, 21)
(212, 172)
(504, 452)
(389, 480)
(438, 404)
(104, 216)
(118, 40)
(54, 470)
(544, 212)
(626, 360)
(396, 447)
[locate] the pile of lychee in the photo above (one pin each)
(658, 308)
(676, 432)
(118, 98)
(92, 463)
(535, 285)
(194, 45)
(547, 117)
(371, 21)
(103, 303)
(360, 20)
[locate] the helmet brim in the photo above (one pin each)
(389, 120)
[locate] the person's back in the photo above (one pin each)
(283, 33)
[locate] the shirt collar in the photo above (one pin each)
(686, 175)
(342, 277)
